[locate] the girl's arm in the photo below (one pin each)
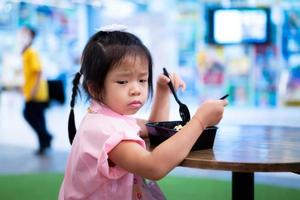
(166, 156)
(161, 104)
(143, 132)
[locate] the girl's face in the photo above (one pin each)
(126, 85)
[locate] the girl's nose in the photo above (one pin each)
(135, 89)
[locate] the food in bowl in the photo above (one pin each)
(178, 127)
(161, 131)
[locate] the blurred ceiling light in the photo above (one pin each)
(118, 8)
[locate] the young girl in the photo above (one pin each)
(109, 159)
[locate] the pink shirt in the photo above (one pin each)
(88, 175)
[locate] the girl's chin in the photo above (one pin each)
(128, 110)
(131, 111)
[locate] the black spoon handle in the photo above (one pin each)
(224, 97)
(171, 86)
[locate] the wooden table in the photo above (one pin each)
(249, 149)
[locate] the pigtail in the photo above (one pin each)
(71, 122)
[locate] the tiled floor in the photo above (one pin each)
(18, 142)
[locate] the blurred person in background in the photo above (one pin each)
(35, 90)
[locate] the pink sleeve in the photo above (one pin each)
(103, 165)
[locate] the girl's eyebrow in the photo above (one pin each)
(128, 73)
(145, 73)
(123, 73)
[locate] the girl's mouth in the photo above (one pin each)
(135, 104)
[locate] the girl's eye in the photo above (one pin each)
(122, 82)
(143, 80)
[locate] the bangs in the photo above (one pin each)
(115, 54)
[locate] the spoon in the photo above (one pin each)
(183, 109)
(224, 97)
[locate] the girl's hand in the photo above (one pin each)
(162, 82)
(210, 112)
(161, 105)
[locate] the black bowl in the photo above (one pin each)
(161, 131)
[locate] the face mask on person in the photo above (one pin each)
(25, 39)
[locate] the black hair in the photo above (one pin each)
(32, 31)
(103, 51)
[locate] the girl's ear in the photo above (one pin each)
(92, 88)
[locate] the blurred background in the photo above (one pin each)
(249, 49)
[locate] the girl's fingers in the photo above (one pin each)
(176, 81)
(224, 102)
(163, 79)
